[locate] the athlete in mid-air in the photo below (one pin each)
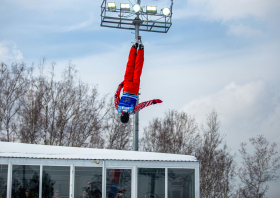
(126, 105)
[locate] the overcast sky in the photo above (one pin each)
(218, 54)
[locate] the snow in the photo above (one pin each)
(21, 150)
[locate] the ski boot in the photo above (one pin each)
(140, 44)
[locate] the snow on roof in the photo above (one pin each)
(20, 150)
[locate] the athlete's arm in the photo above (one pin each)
(142, 105)
(117, 94)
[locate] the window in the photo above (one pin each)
(56, 181)
(25, 181)
(151, 183)
(3, 180)
(181, 183)
(88, 182)
(118, 183)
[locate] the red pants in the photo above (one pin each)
(133, 71)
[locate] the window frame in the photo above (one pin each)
(10, 177)
(186, 169)
(74, 173)
(71, 175)
(122, 168)
(4, 164)
(165, 182)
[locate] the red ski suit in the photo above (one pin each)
(133, 71)
(131, 81)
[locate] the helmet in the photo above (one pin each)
(125, 117)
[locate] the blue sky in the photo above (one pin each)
(218, 54)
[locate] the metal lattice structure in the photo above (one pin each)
(126, 19)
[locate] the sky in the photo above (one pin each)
(218, 54)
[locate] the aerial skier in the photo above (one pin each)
(126, 105)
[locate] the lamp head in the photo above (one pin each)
(136, 8)
(151, 9)
(111, 6)
(125, 7)
(166, 11)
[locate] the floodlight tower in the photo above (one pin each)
(146, 20)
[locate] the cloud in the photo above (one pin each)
(255, 13)
(245, 110)
(272, 124)
(79, 26)
(230, 9)
(9, 52)
(241, 30)
(246, 103)
(46, 5)
(51, 16)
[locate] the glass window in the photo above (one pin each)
(3, 180)
(56, 181)
(151, 183)
(181, 183)
(25, 181)
(88, 182)
(118, 183)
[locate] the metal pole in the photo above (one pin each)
(136, 116)
(136, 128)
(137, 24)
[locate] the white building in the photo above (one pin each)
(52, 171)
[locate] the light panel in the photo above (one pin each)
(151, 9)
(125, 7)
(111, 6)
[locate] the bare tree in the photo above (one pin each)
(259, 168)
(12, 86)
(29, 123)
(85, 128)
(46, 89)
(217, 168)
(66, 104)
(73, 112)
(178, 133)
(53, 95)
(60, 112)
(116, 134)
(33, 117)
(175, 133)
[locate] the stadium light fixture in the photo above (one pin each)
(166, 11)
(151, 9)
(136, 8)
(111, 6)
(125, 7)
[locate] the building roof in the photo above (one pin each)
(21, 150)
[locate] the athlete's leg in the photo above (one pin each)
(138, 70)
(128, 76)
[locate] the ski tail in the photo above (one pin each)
(142, 105)
(117, 95)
